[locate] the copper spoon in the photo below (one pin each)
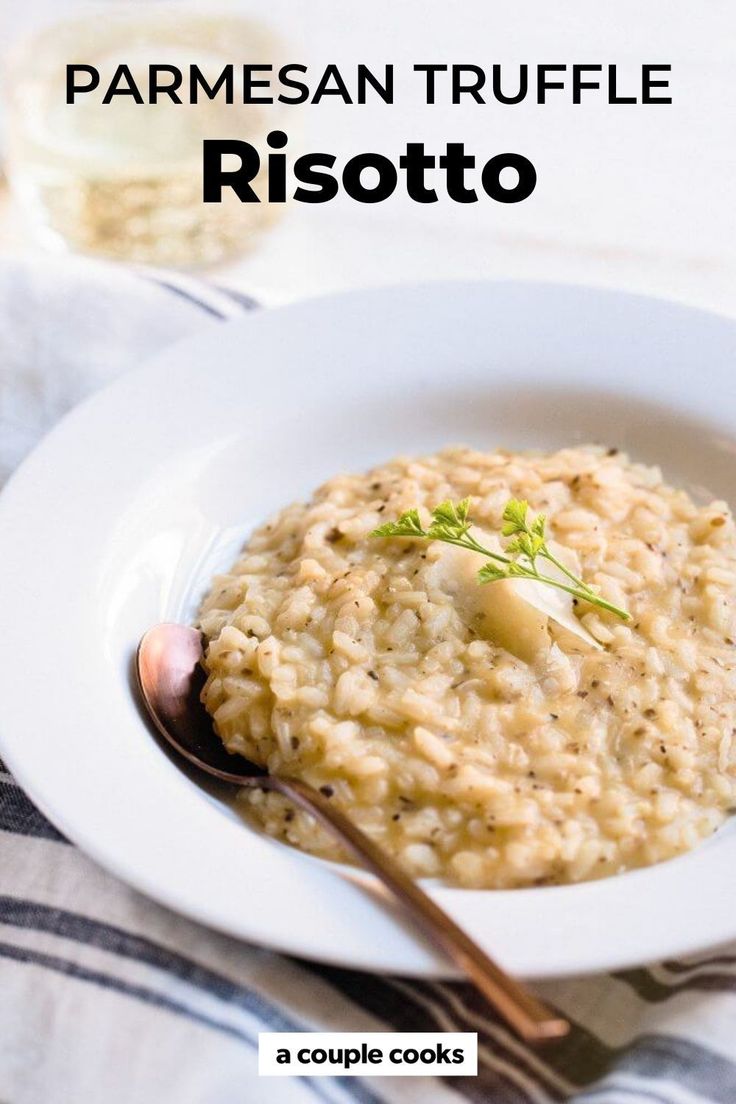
(170, 676)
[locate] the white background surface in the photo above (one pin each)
(628, 196)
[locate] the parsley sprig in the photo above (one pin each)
(527, 546)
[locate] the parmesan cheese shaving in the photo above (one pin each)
(513, 613)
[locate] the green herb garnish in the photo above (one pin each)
(526, 547)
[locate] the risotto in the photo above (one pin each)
(473, 736)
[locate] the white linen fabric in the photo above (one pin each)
(105, 996)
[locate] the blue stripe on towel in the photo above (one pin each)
(106, 937)
(20, 816)
(350, 1086)
(106, 981)
(30, 915)
(184, 293)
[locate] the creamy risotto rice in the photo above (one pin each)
(354, 662)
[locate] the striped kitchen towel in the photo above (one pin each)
(107, 997)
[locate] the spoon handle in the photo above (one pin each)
(527, 1015)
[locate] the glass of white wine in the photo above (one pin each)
(125, 179)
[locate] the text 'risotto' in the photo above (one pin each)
(369, 668)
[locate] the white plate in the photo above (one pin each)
(120, 516)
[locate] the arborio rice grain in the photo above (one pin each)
(338, 658)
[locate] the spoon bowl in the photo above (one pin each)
(171, 678)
